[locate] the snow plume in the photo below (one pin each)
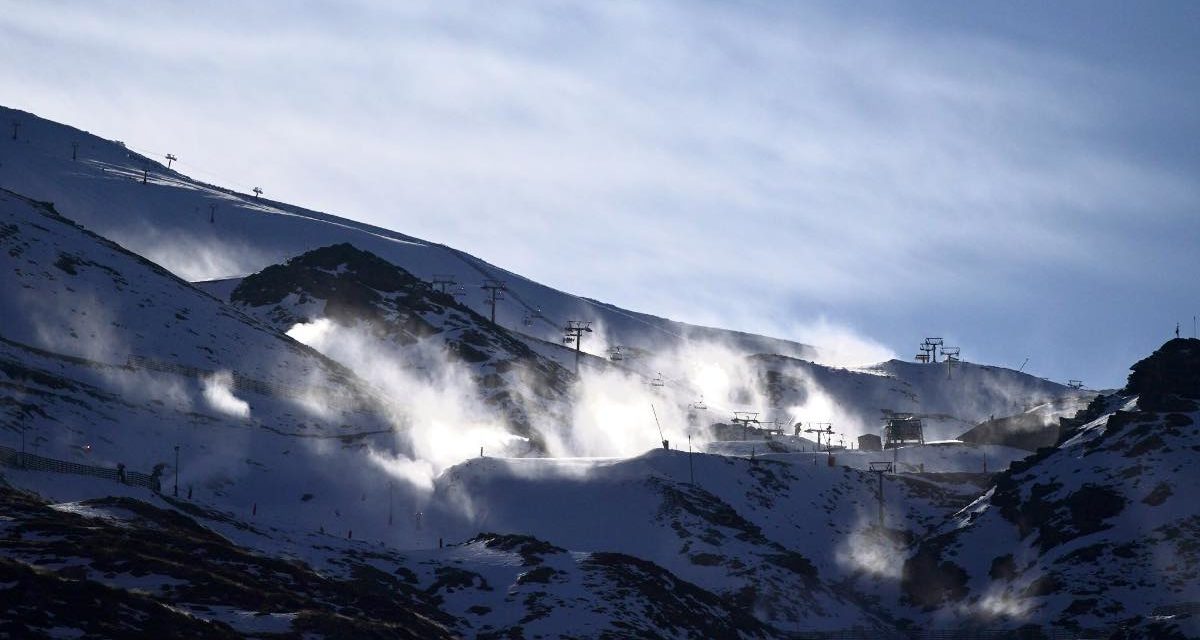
(839, 346)
(433, 402)
(218, 392)
(418, 473)
(78, 324)
(872, 551)
(197, 257)
(819, 406)
(1002, 603)
(612, 414)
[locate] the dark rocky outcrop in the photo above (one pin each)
(1174, 369)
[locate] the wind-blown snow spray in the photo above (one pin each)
(433, 402)
(218, 392)
(436, 405)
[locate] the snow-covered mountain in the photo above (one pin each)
(1099, 529)
(110, 359)
(355, 450)
(201, 231)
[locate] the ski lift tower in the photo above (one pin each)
(879, 468)
(926, 349)
(575, 330)
(820, 428)
(952, 358)
(1075, 384)
(443, 282)
(745, 418)
(902, 429)
(933, 344)
(495, 291)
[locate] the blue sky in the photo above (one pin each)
(1019, 178)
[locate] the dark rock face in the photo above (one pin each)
(928, 581)
(353, 284)
(529, 548)
(1087, 522)
(200, 571)
(1172, 370)
(1080, 513)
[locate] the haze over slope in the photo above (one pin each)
(202, 232)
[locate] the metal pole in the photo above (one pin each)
(691, 471)
(880, 499)
(578, 337)
(176, 471)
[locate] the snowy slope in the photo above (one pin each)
(274, 475)
(168, 221)
(780, 539)
(1099, 530)
(106, 358)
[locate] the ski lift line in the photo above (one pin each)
(190, 166)
(279, 207)
(248, 202)
(469, 260)
(150, 154)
